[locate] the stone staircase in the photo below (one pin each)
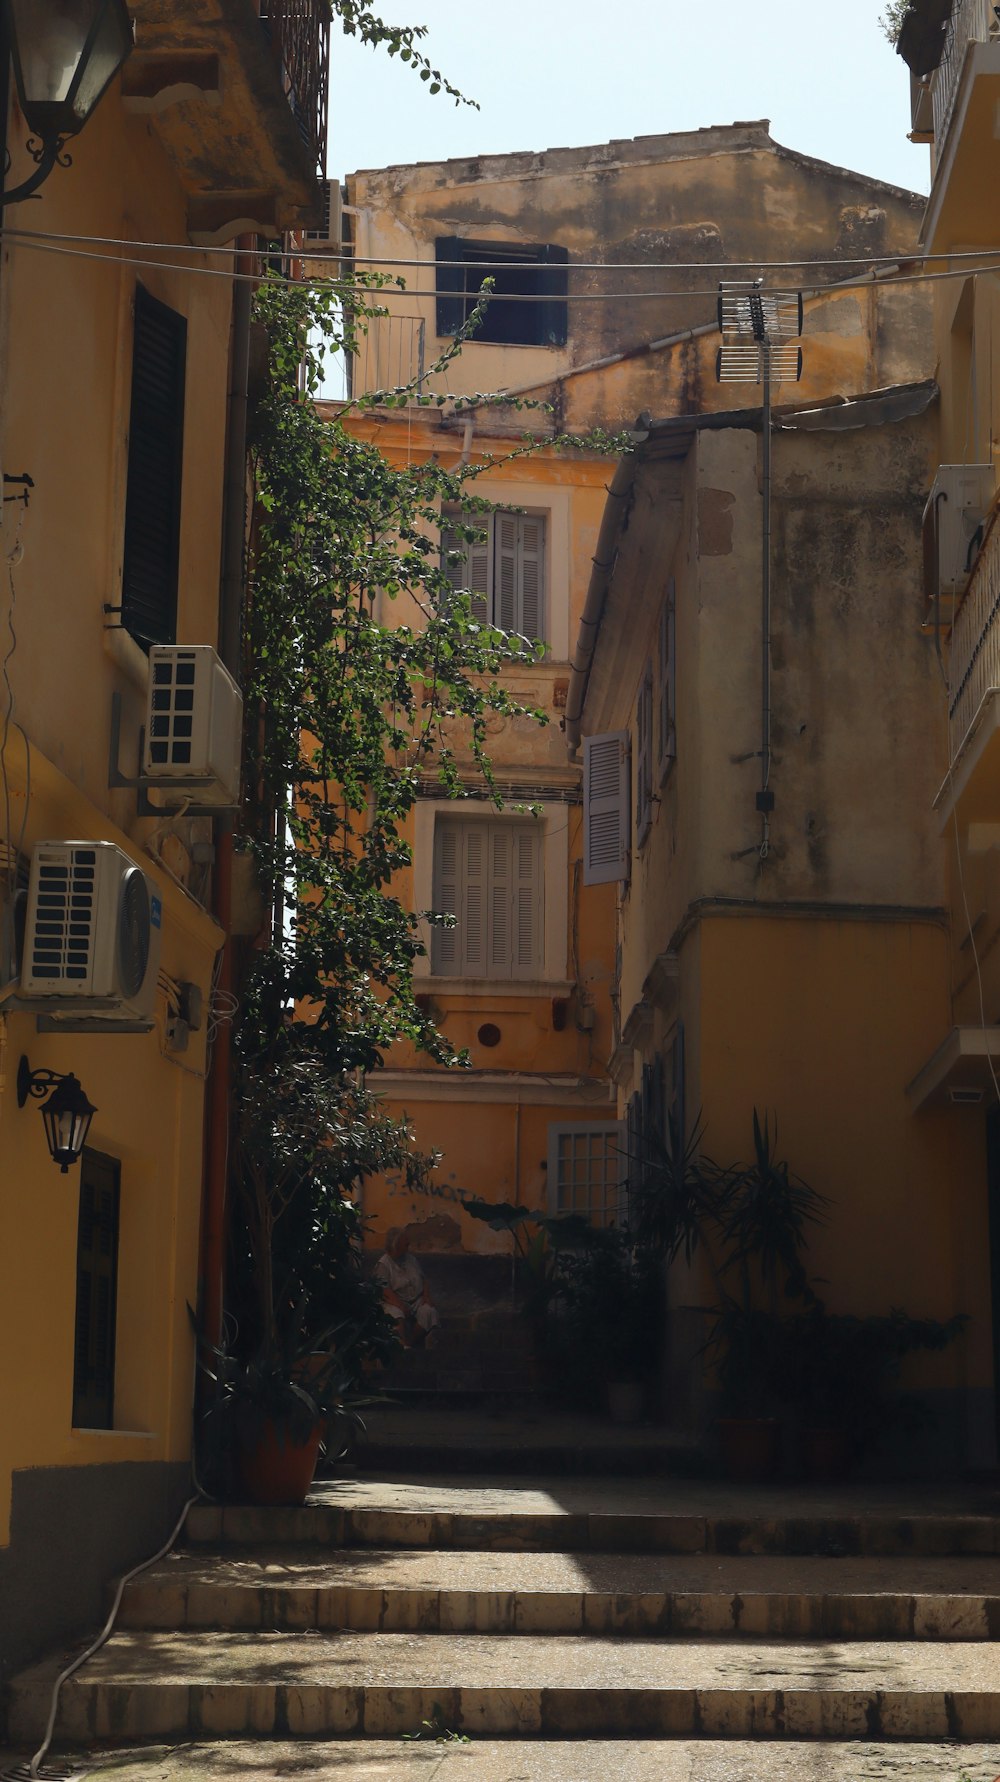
(571, 1630)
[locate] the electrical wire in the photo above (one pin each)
(860, 281)
(106, 1631)
(612, 266)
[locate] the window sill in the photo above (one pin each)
(493, 987)
(117, 1435)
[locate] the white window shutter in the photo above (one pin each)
(445, 941)
(666, 729)
(472, 575)
(531, 619)
(527, 902)
(605, 807)
(505, 567)
(475, 916)
(644, 758)
(500, 890)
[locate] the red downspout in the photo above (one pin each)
(218, 1099)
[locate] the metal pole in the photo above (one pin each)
(765, 801)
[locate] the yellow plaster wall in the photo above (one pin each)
(67, 330)
(824, 1023)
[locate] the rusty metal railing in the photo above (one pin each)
(972, 21)
(974, 655)
(390, 355)
(298, 32)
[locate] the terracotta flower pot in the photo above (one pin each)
(749, 1447)
(275, 1469)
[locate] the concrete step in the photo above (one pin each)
(515, 1593)
(635, 1760)
(456, 1431)
(613, 1516)
(217, 1685)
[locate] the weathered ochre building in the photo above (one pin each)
(117, 373)
(954, 56)
(606, 262)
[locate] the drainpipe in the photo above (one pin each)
(218, 1102)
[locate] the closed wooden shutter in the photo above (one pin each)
(448, 874)
(490, 875)
(474, 920)
(473, 575)
(527, 901)
(666, 731)
(531, 617)
(153, 489)
(605, 807)
(506, 553)
(96, 1293)
(644, 758)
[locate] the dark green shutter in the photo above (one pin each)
(153, 492)
(450, 284)
(553, 286)
(96, 1293)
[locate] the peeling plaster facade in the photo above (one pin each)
(721, 194)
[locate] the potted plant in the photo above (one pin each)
(842, 1375)
(750, 1223)
(609, 1300)
(277, 1407)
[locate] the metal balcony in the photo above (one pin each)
(974, 664)
(972, 21)
(298, 33)
(237, 91)
(390, 356)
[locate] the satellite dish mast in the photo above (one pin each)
(759, 332)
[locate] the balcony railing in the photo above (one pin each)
(974, 667)
(390, 356)
(298, 32)
(972, 21)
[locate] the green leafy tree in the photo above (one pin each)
(349, 718)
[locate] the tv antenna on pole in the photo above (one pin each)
(759, 332)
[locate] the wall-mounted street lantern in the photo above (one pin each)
(66, 1115)
(65, 54)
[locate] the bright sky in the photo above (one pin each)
(562, 73)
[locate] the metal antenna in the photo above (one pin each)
(759, 329)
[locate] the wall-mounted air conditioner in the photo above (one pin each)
(327, 238)
(92, 932)
(194, 723)
(953, 518)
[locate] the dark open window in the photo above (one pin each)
(96, 1293)
(528, 305)
(153, 492)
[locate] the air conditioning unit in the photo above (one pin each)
(959, 502)
(92, 932)
(327, 238)
(194, 723)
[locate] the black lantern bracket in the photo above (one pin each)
(142, 782)
(66, 1110)
(35, 1082)
(62, 69)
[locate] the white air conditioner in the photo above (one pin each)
(959, 502)
(327, 238)
(194, 723)
(92, 933)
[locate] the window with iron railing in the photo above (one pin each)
(298, 33)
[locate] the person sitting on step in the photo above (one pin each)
(404, 1292)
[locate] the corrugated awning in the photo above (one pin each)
(900, 403)
(921, 39)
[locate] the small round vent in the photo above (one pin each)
(133, 932)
